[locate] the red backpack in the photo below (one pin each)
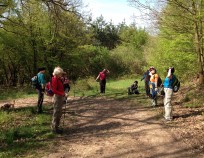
(48, 89)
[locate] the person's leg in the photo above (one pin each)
(101, 86)
(136, 91)
(104, 86)
(57, 112)
(40, 101)
(147, 89)
(154, 95)
(129, 91)
(167, 103)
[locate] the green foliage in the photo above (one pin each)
(127, 60)
(134, 37)
(105, 34)
(92, 59)
(164, 53)
(39, 33)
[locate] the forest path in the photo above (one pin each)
(108, 128)
(104, 127)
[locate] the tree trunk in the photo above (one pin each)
(199, 43)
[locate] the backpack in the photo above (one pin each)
(48, 89)
(34, 82)
(159, 82)
(175, 84)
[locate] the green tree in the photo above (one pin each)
(106, 34)
(179, 18)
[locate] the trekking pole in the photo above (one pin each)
(65, 109)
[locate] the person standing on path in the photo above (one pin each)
(146, 78)
(168, 89)
(41, 88)
(66, 84)
(102, 77)
(59, 94)
(154, 86)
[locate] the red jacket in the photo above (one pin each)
(57, 86)
(102, 75)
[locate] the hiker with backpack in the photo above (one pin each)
(41, 88)
(66, 84)
(59, 94)
(170, 83)
(153, 84)
(102, 76)
(146, 78)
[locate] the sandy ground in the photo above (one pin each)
(108, 128)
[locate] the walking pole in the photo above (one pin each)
(65, 109)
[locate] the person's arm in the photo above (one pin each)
(169, 73)
(97, 77)
(143, 77)
(43, 82)
(156, 81)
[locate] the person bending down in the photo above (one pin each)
(133, 89)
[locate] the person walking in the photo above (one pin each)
(153, 86)
(102, 76)
(41, 88)
(168, 89)
(146, 78)
(58, 100)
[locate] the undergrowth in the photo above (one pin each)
(194, 98)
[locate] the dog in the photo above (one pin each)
(8, 106)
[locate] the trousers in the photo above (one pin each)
(57, 111)
(167, 103)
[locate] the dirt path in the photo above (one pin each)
(108, 128)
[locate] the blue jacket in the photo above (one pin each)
(169, 82)
(41, 79)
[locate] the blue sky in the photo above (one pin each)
(115, 10)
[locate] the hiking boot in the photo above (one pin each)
(168, 119)
(39, 111)
(154, 103)
(58, 131)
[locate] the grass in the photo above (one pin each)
(23, 133)
(16, 92)
(22, 130)
(90, 87)
(194, 98)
